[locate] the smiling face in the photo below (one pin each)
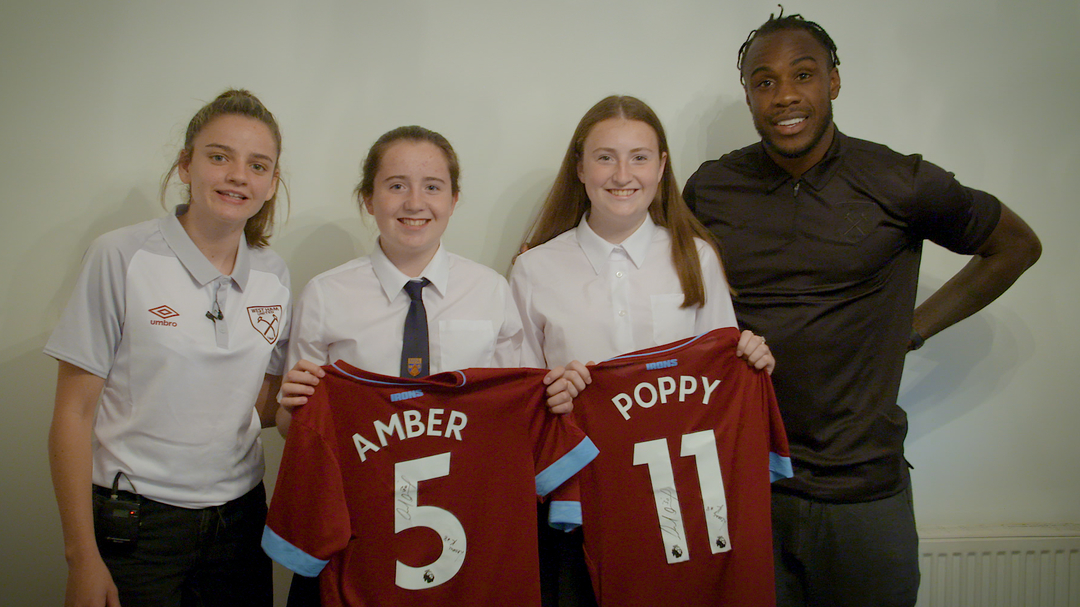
(621, 166)
(231, 171)
(789, 87)
(412, 201)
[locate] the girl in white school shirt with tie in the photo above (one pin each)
(358, 311)
(362, 312)
(615, 263)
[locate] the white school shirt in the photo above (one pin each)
(177, 413)
(583, 298)
(356, 313)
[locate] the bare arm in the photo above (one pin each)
(267, 403)
(300, 382)
(1011, 249)
(71, 462)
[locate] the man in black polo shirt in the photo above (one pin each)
(822, 236)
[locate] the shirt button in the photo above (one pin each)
(622, 312)
(618, 274)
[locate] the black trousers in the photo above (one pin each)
(564, 576)
(192, 558)
(863, 554)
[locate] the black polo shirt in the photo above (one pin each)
(826, 267)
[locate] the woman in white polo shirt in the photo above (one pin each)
(615, 263)
(178, 325)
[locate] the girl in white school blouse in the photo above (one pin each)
(356, 312)
(171, 352)
(615, 263)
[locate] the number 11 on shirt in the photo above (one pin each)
(702, 446)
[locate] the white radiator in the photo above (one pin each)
(1000, 566)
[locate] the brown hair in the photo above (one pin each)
(366, 187)
(567, 202)
(238, 102)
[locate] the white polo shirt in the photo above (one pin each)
(583, 298)
(356, 313)
(177, 413)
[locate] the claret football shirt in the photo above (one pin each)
(421, 491)
(676, 507)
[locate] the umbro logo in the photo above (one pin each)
(163, 313)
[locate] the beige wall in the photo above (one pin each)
(94, 97)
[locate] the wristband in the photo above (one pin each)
(916, 341)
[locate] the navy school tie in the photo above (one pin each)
(414, 345)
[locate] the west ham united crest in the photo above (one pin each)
(414, 366)
(266, 320)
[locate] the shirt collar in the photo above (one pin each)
(393, 280)
(193, 259)
(598, 250)
(816, 177)
(822, 172)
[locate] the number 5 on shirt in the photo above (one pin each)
(408, 514)
(702, 446)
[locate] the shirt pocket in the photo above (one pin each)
(670, 321)
(466, 343)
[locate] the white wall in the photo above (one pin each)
(95, 96)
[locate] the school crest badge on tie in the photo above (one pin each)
(414, 366)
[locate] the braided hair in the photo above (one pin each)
(789, 22)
